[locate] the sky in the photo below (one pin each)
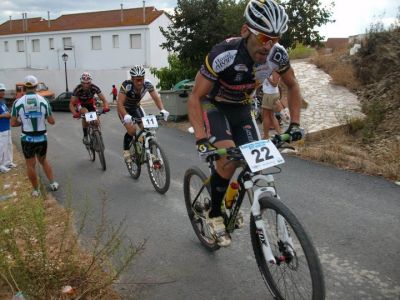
(352, 16)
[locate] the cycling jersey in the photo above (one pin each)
(234, 73)
(32, 110)
(277, 60)
(132, 97)
(86, 95)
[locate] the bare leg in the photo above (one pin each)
(47, 168)
(31, 171)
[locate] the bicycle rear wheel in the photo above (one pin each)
(298, 272)
(158, 167)
(135, 166)
(99, 146)
(197, 193)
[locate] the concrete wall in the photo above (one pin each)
(55, 79)
(158, 56)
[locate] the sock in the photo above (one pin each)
(127, 140)
(218, 189)
(84, 131)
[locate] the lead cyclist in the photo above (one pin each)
(220, 104)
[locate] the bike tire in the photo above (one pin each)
(89, 147)
(135, 166)
(100, 149)
(287, 271)
(193, 180)
(159, 172)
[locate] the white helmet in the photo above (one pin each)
(86, 77)
(266, 16)
(30, 81)
(137, 71)
(2, 87)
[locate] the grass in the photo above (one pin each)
(40, 252)
(301, 52)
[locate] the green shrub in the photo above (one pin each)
(176, 71)
(301, 51)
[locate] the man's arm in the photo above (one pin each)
(294, 96)
(201, 88)
(15, 122)
(50, 120)
(72, 104)
(121, 104)
(104, 100)
(5, 115)
(274, 79)
(157, 100)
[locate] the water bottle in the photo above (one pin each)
(231, 193)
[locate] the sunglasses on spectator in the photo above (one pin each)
(262, 38)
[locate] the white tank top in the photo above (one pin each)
(268, 88)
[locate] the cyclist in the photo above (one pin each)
(130, 94)
(220, 106)
(83, 101)
(31, 111)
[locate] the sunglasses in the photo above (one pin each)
(138, 78)
(262, 38)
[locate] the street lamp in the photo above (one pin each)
(65, 58)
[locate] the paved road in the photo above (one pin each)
(353, 219)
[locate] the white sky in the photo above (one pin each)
(352, 16)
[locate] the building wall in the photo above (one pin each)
(82, 56)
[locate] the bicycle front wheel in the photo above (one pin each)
(297, 273)
(89, 146)
(197, 193)
(135, 166)
(100, 148)
(158, 167)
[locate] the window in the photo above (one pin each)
(51, 43)
(20, 46)
(96, 42)
(136, 41)
(6, 46)
(36, 45)
(67, 43)
(115, 39)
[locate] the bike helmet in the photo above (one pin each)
(137, 71)
(30, 81)
(266, 16)
(86, 77)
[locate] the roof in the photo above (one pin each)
(335, 43)
(87, 20)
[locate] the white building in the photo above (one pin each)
(110, 41)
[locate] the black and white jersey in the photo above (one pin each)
(132, 97)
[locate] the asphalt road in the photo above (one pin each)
(353, 219)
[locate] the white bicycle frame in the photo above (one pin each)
(255, 193)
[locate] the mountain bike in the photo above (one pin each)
(95, 139)
(284, 252)
(144, 148)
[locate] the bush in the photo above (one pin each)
(175, 72)
(301, 51)
(40, 254)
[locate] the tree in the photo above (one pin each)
(304, 17)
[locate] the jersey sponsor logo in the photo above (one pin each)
(238, 77)
(241, 68)
(128, 87)
(224, 60)
(238, 87)
(279, 56)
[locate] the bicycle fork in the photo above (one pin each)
(262, 229)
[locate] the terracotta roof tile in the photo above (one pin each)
(98, 19)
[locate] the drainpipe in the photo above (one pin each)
(122, 13)
(10, 24)
(144, 12)
(48, 18)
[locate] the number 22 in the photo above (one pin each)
(258, 154)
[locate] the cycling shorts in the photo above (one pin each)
(135, 112)
(90, 105)
(229, 122)
(34, 149)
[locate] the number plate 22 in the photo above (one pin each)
(261, 155)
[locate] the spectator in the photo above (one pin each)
(270, 97)
(114, 93)
(31, 112)
(6, 150)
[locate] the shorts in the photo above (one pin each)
(136, 112)
(229, 122)
(90, 105)
(34, 149)
(269, 100)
